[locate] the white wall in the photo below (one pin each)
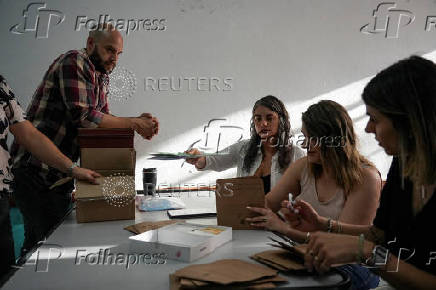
(300, 51)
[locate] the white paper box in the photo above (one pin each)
(181, 241)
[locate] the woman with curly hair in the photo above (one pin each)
(266, 154)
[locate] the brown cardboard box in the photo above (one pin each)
(113, 198)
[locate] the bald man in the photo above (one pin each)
(72, 95)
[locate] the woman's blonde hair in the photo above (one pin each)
(405, 92)
(329, 124)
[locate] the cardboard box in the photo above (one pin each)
(181, 241)
(105, 138)
(233, 195)
(113, 198)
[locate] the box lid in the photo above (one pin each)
(108, 158)
(106, 138)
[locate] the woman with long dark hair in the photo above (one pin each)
(267, 153)
(399, 245)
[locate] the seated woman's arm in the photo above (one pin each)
(397, 272)
(362, 202)
(288, 183)
(225, 159)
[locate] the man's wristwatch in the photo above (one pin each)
(378, 258)
(70, 169)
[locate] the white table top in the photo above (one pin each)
(62, 272)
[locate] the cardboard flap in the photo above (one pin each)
(113, 186)
(108, 158)
(233, 195)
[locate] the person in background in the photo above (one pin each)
(399, 245)
(12, 119)
(334, 178)
(72, 95)
(266, 154)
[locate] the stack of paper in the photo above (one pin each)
(225, 274)
(290, 257)
(282, 260)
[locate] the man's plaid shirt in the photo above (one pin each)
(71, 95)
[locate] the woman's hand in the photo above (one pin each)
(199, 162)
(267, 220)
(85, 174)
(326, 249)
(303, 218)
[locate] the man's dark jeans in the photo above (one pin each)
(6, 241)
(42, 208)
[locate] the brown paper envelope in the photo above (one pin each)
(269, 263)
(196, 283)
(282, 258)
(189, 284)
(226, 272)
(233, 195)
(132, 229)
(174, 282)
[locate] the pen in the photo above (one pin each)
(291, 204)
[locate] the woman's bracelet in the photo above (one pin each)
(329, 225)
(360, 256)
(339, 227)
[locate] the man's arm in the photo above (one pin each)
(147, 127)
(40, 146)
(77, 83)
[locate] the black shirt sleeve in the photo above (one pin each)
(381, 220)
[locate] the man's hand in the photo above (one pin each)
(146, 125)
(85, 174)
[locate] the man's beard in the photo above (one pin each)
(98, 62)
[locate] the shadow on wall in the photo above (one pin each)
(171, 172)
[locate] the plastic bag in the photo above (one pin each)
(146, 203)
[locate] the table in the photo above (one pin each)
(61, 270)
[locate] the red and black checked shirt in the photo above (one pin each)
(71, 95)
